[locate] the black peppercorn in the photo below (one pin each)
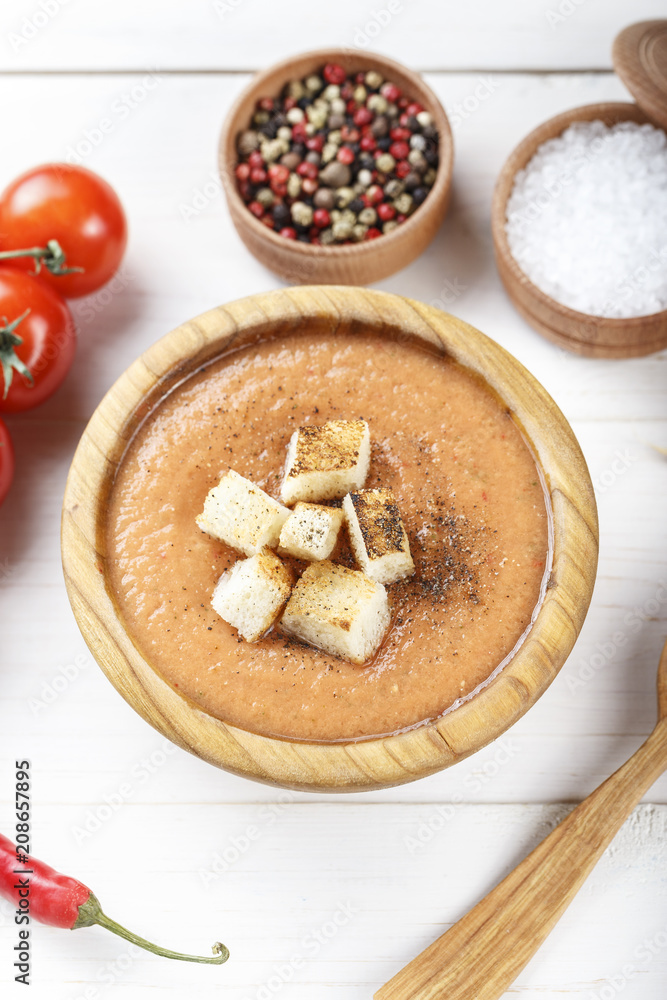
(281, 215)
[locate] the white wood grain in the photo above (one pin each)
(187, 878)
(248, 34)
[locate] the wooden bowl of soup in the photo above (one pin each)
(345, 263)
(494, 493)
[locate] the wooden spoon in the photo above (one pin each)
(481, 955)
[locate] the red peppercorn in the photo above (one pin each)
(307, 169)
(345, 155)
(360, 77)
(386, 212)
(414, 108)
(289, 103)
(256, 159)
(375, 194)
(243, 171)
(403, 103)
(397, 134)
(346, 91)
(315, 143)
(351, 106)
(333, 73)
(299, 133)
(256, 209)
(399, 150)
(244, 189)
(363, 116)
(401, 218)
(278, 172)
(288, 233)
(310, 185)
(402, 169)
(390, 92)
(404, 119)
(368, 143)
(266, 104)
(267, 221)
(258, 176)
(280, 190)
(314, 233)
(321, 218)
(372, 233)
(348, 134)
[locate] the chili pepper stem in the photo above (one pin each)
(91, 913)
(52, 257)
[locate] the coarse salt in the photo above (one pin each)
(587, 219)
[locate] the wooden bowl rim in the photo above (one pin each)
(517, 160)
(227, 152)
(346, 765)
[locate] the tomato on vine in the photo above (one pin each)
(68, 222)
(37, 340)
(6, 461)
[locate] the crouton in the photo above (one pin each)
(242, 515)
(326, 462)
(310, 532)
(338, 610)
(251, 595)
(377, 535)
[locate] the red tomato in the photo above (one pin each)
(75, 207)
(6, 461)
(48, 335)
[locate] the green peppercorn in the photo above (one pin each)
(368, 216)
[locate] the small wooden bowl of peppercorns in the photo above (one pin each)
(337, 167)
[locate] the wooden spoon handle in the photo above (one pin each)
(482, 954)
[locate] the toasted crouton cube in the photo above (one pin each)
(377, 535)
(338, 610)
(251, 595)
(326, 462)
(310, 532)
(242, 515)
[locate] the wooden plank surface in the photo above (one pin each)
(408, 861)
(329, 901)
(249, 34)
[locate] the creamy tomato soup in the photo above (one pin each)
(469, 491)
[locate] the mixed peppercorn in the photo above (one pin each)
(337, 159)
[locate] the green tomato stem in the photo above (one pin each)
(90, 913)
(9, 359)
(52, 257)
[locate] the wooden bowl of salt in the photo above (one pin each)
(640, 58)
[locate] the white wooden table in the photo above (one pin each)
(333, 894)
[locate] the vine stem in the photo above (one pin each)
(52, 257)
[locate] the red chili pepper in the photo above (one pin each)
(62, 901)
